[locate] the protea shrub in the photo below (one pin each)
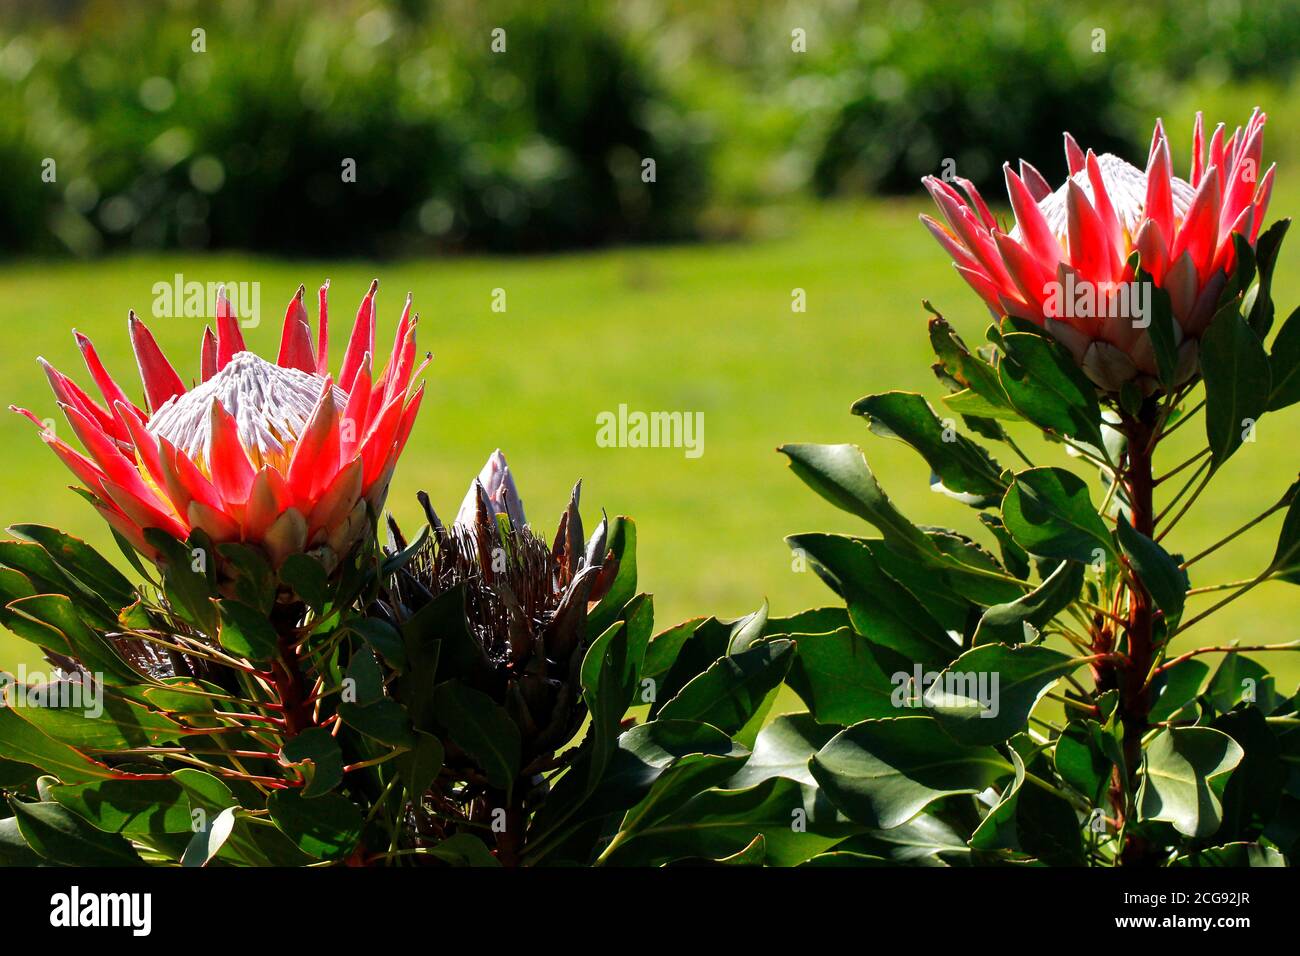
(1033, 694)
(256, 492)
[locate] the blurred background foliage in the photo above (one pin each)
(228, 164)
(460, 147)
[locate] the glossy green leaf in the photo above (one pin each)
(987, 694)
(963, 467)
(1235, 368)
(783, 749)
(1285, 565)
(839, 473)
(729, 693)
(1185, 770)
(307, 577)
(317, 752)
(209, 839)
(326, 827)
(1284, 364)
(1047, 387)
(60, 836)
(1050, 514)
(128, 806)
(622, 542)
(1158, 569)
(1005, 623)
(720, 823)
(482, 729)
(82, 561)
(880, 608)
(246, 631)
(882, 773)
(843, 678)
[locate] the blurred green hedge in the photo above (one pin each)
(542, 146)
(244, 144)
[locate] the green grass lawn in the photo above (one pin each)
(705, 328)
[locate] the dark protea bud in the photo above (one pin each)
(525, 601)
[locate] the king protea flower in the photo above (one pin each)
(1078, 239)
(280, 455)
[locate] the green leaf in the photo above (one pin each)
(1161, 330)
(253, 581)
(645, 752)
(966, 368)
(720, 823)
(1285, 565)
(14, 850)
(1050, 514)
(997, 831)
(21, 741)
(1047, 387)
(1237, 382)
(1176, 688)
(729, 693)
(783, 749)
(1005, 623)
(1185, 770)
(1284, 365)
(482, 729)
(843, 678)
(82, 561)
(987, 694)
(882, 773)
(209, 839)
(1157, 568)
(1267, 246)
(307, 578)
(1083, 758)
(420, 765)
(621, 541)
(463, 849)
(317, 750)
(128, 806)
(57, 613)
(1251, 798)
(1239, 679)
(879, 607)
(963, 467)
(188, 588)
(839, 473)
(326, 827)
(246, 632)
(1234, 855)
(60, 836)
(385, 639)
(384, 720)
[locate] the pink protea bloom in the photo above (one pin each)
(1078, 239)
(278, 455)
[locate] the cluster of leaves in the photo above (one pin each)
(1141, 754)
(205, 751)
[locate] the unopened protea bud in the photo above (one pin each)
(1067, 264)
(525, 601)
(278, 455)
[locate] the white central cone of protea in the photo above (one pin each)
(1126, 187)
(271, 406)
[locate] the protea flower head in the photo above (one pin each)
(280, 455)
(525, 601)
(1066, 264)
